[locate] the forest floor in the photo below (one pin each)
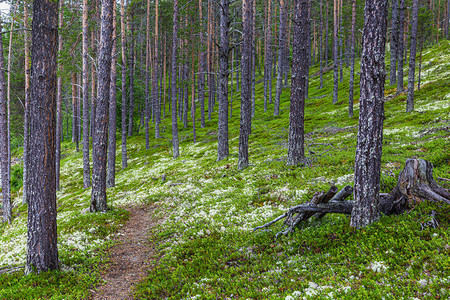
(130, 257)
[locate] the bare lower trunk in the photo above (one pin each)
(222, 138)
(300, 70)
(100, 138)
(42, 246)
(124, 87)
(412, 57)
(281, 51)
(85, 92)
(371, 115)
(175, 143)
(352, 63)
(26, 117)
(400, 48)
(394, 42)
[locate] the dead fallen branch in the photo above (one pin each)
(415, 184)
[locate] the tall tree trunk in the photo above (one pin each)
(321, 47)
(147, 79)
(281, 52)
(26, 117)
(155, 76)
(124, 86)
(222, 138)
(112, 139)
(366, 209)
(175, 143)
(245, 123)
(194, 132)
(352, 64)
(326, 35)
(253, 60)
(400, 48)
(394, 43)
(300, 70)
(86, 166)
(412, 56)
(4, 137)
(420, 63)
(100, 138)
(75, 119)
(201, 71)
(132, 67)
(42, 246)
(335, 52)
(268, 57)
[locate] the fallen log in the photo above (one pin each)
(415, 184)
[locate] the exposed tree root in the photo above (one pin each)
(415, 184)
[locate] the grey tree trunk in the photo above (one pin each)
(299, 80)
(100, 138)
(401, 45)
(412, 56)
(281, 52)
(335, 52)
(147, 79)
(253, 60)
(112, 139)
(124, 86)
(326, 35)
(175, 143)
(42, 246)
(394, 43)
(75, 120)
(222, 138)
(268, 57)
(352, 63)
(131, 65)
(4, 140)
(26, 118)
(85, 91)
(155, 97)
(370, 131)
(321, 47)
(245, 123)
(201, 71)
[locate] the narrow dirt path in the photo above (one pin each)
(130, 258)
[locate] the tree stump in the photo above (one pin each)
(415, 184)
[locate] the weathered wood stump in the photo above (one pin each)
(415, 184)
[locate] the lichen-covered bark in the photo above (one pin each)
(281, 52)
(100, 138)
(42, 249)
(222, 138)
(112, 139)
(300, 70)
(26, 114)
(394, 42)
(85, 92)
(245, 123)
(401, 45)
(175, 142)
(412, 56)
(370, 130)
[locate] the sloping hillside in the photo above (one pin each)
(208, 209)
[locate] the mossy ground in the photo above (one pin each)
(207, 248)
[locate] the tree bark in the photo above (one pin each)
(175, 143)
(394, 42)
(352, 63)
(370, 130)
(412, 56)
(155, 77)
(75, 137)
(85, 91)
(132, 67)
(400, 48)
(222, 138)
(42, 249)
(100, 138)
(300, 70)
(147, 79)
(26, 117)
(281, 52)
(4, 137)
(112, 139)
(335, 52)
(124, 86)
(268, 57)
(201, 71)
(245, 123)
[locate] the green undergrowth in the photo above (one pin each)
(207, 248)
